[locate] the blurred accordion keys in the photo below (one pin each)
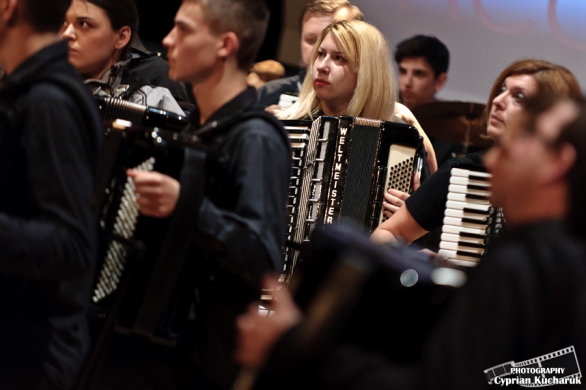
(470, 221)
(124, 227)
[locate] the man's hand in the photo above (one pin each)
(157, 193)
(257, 333)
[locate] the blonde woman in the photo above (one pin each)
(350, 73)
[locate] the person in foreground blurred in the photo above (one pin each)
(523, 301)
(423, 211)
(350, 73)
(230, 201)
(50, 139)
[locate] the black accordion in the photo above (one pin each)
(341, 169)
(470, 220)
(385, 299)
(132, 245)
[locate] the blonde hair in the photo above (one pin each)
(369, 57)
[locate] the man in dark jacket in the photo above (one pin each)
(49, 140)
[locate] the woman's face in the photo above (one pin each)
(507, 107)
(334, 80)
(93, 44)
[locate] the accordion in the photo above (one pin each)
(341, 169)
(114, 108)
(383, 299)
(131, 245)
(470, 221)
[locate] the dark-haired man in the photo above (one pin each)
(237, 214)
(316, 15)
(423, 69)
(49, 139)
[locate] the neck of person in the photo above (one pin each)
(334, 108)
(546, 203)
(21, 42)
(224, 83)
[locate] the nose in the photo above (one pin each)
(322, 65)
(500, 100)
(407, 79)
(169, 40)
(68, 33)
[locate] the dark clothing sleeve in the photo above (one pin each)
(248, 237)
(56, 240)
(270, 93)
(427, 204)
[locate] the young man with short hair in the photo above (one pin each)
(236, 213)
(423, 69)
(49, 146)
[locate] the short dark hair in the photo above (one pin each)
(120, 13)
(248, 19)
(45, 15)
(428, 47)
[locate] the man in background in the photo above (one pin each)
(423, 69)
(316, 16)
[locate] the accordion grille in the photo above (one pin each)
(357, 195)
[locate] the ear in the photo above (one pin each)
(230, 44)
(123, 37)
(440, 81)
(559, 164)
(8, 11)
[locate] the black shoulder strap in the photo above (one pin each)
(216, 127)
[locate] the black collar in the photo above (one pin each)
(242, 101)
(37, 63)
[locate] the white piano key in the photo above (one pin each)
(486, 208)
(458, 238)
(467, 173)
(454, 246)
(465, 181)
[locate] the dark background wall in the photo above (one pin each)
(156, 20)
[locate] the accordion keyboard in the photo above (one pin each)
(470, 221)
(124, 227)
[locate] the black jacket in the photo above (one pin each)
(48, 228)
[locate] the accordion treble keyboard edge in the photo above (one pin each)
(470, 220)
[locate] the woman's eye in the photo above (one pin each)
(519, 96)
(340, 58)
(320, 54)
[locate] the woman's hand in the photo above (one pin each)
(395, 199)
(157, 193)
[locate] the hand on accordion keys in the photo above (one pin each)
(395, 199)
(157, 193)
